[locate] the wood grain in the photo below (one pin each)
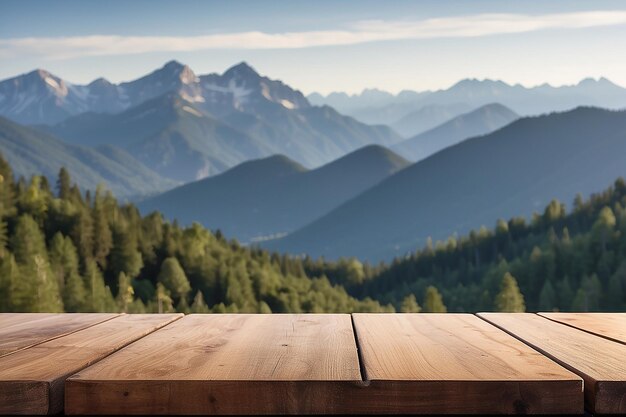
(600, 362)
(457, 363)
(609, 325)
(32, 380)
(20, 331)
(226, 364)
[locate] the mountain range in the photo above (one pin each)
(273, 196)
(478, 122)
(184, 126)
(255, 158)
(408, 113)
(511, 172)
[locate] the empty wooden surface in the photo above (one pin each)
(32, 380)
(225, 364)
(19, 331)
(609, 325)
(600, 362)
(457, 363)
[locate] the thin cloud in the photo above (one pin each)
(357, 33)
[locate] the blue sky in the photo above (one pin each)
(321, 45)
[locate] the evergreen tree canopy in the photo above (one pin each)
(510, 299)
(433, 302)
(68, 251)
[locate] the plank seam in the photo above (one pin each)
(359, 351)
(582, 330)
(60, 335)
(543, 352)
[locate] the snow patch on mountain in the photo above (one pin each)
(288, 104)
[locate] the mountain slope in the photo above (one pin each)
(274, 195)
(510, 172)
(481, 121)
(168, 134)
(32, 152)
(427, 117)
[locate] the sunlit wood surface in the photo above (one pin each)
(32, 380)
(242, 364)
(490, 363)
(599, 361)
(609, 325)
(19, 331)
(458, 363)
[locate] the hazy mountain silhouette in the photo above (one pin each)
(274, 195)
(510, 172)
(475, 93)
(31, 151)
(481, 121)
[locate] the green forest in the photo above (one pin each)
(65, 250)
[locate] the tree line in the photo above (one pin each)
(62, 250)
(556, 261)
(65, 250)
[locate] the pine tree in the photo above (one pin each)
(547, 297)
(99, 298)
(264, 308)
(198, 305)
(34, 200)
(510, 298)
(65, 266)
(82, 235)
(433, 302)
(9, 279)
(63, 184)
(7, 189)
(163, 300)
(27, 240)
(588, 294)
(103, 237)
(410, 305)
(565, 294)
(603, 227)
(616, 294)
(125, 292)
(125, 257)
(174, 279)
(4, 234)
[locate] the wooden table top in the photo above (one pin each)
(599, 361)
(489, 363)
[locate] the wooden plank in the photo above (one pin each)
(609, 325)
(21, 330)
(226, 364)
(600, 362)
(32, 380)
(457, 364)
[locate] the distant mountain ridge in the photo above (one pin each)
(473, 93)
(478, 122)
(187, 127)
(275, 195)
(40, 97)
(510, 172)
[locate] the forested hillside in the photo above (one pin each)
(61, 250)
(561, 261)
(274, 195)
(64, 251)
